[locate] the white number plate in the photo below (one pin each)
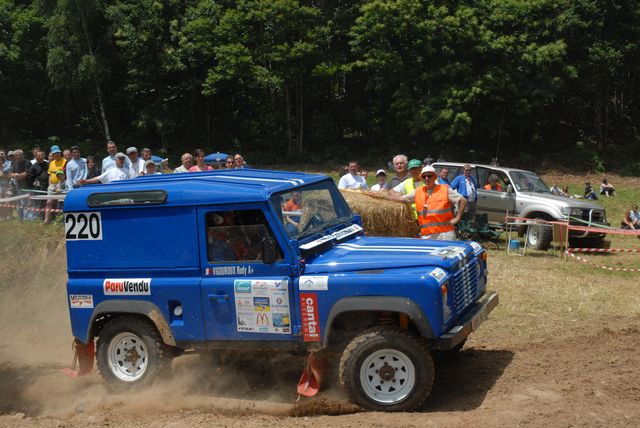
(83, 226)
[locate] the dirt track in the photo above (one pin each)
(585, 373)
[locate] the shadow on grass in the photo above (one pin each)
(464, 379)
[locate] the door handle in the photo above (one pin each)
(219, 297)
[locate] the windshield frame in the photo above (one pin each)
(341, 212)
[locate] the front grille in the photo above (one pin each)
(465, 285)
(596, 216)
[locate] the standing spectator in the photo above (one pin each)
(607, 188)
(229, 163)
(554, 189)
(92, 168)
(631, 219)
(239, 161)
(66, 155)
(39, 172)
(443, 178)
(4, 181)
(57, 164)
(187, 162)
(382, 184)
(137, 163)
(113, 174)
(200, 165)
(400, 166)
(110, 161)
(35, 150)
(352, 180)
(76, 169)
(467, 186)
(19, 179)
(411, 183)
(39, 178)
(146, 154)
(8, 161)
(150, 168)
(428, 160)
(434, 203)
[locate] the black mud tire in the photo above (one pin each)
(539, 236)
(130, 352)
(394, 351)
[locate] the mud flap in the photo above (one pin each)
(83, 358)
(313, 375)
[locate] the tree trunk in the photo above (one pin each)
(87, 40)
(287, 102)
(299, 120)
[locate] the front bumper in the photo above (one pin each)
(467, 325)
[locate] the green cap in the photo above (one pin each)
(59, 172)
(415, 163)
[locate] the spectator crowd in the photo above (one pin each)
(55, 172)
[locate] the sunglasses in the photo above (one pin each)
(429, 176)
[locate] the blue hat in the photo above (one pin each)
(55, 149)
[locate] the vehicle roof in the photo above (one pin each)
(198, 188)
(459, 164)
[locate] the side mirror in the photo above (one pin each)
(269, 253)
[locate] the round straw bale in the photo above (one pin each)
(381, 217)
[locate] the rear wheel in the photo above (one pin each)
(130, 352)
(539, 236)
(387, 369)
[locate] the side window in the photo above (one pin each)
(492, 180)
(237, 236)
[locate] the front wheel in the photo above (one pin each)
(130, 352)
(387, 369)
(539, 236)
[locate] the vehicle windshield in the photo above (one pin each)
(526, 181)
(312, 209)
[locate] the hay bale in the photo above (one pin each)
(381, 217)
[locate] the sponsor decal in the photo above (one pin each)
(438, 274)
(80, 301)
(262, 319)
(127, 287)
(314, 283)
(228, 271)
(242, 286)
(476, 247)
(261, 304)
(337, 235)
(451, 252)
(310, 319)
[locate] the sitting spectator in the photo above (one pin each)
(493, 184)
(198, 155)
(565, 191)
(352, 180)
(631, 219)
(554, 189)
(60, 186)
(589, 193)
(229, 163)
(607, 188)
(382, 184)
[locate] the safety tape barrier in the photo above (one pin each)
(604, 250)
(54, 210)
(582, 259)
(599, 229)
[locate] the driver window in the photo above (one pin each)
(237, 236)
(491, 180)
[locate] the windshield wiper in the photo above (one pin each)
(333, 222)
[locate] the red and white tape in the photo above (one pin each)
(569, 251)
(38, 210)
(603, 250)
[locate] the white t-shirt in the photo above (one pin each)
(472, 195)
(113, 174)
(350, 181)
(136, 168)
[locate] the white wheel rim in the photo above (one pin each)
(128, 357)
(387, 376)
(533, 236)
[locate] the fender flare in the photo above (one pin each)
(402, 305)
(137, 307)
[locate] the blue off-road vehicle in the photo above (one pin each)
(251, 260)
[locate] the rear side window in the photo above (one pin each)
(237, 236)
(147, 197)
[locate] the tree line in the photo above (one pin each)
(526, 81)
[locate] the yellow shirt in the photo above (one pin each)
(55, 166)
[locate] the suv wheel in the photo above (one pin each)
(539, 236)
(387, 369)
(130, 352)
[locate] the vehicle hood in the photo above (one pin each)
(561, 201)
(375, 253)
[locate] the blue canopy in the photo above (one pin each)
(157, 159)
(216, 157)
